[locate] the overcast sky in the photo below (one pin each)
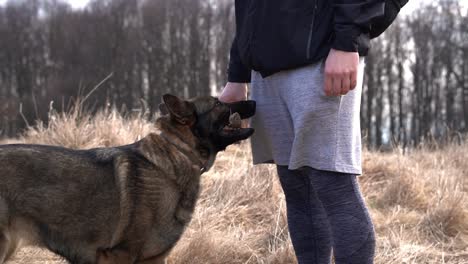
(410, 6)
(74, 3)
(78, 3)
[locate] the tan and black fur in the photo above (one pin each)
(121, 205)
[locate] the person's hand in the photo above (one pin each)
(341, 69)
(233, 92)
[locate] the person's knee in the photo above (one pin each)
(352, 234)
(292, 182)
(333, 189)
(352, 228)
(364, 254)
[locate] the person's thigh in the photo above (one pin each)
(326, 130)
(273, 137)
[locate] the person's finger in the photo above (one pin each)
(345, 84)
(328, 84)
(353, 80)
(337, 84)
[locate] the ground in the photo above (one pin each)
(418, 200)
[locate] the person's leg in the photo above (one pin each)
(307, 220)
(350, 222)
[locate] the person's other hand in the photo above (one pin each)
(341, 70)
(233, 92)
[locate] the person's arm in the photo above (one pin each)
(238, 74)
(238, 77)
(237, 71)
(352, 21)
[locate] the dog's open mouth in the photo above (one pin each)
(233, 127)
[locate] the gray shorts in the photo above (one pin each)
(297, 125)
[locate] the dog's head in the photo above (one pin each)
(209, 118)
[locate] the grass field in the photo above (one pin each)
(418, 201)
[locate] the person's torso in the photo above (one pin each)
(275, 35)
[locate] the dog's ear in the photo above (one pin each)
(163, 109)
(181, 111)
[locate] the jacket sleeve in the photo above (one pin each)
(237, 71)
(353, 20)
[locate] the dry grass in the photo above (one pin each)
(418, 201)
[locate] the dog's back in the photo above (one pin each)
(116, 205)
(78, 187)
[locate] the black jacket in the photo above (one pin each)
(276, 35)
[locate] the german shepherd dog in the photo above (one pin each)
(120, 205)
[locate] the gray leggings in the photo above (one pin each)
(325, 210)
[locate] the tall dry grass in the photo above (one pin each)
(418, 201)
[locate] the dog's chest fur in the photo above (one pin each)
(173, 214)
(169, 186)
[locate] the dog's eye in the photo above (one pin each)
(218, 103)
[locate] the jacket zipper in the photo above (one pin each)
(311, 31)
